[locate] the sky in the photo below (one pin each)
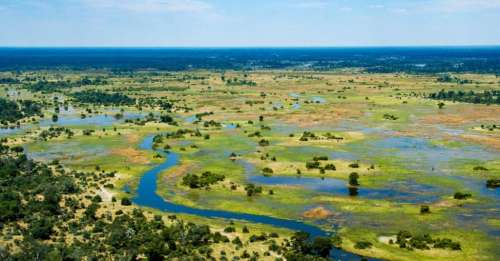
(248, 23)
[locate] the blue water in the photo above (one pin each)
(11, 131)
(96, 120)
(317, 99)
(191, 119)
(147, 197)
(230, 126)
(412, 193)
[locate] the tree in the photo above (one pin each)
(41, 228)
(353, 179)
(321, 246)
(126, 202)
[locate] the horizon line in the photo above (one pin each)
(244, 47)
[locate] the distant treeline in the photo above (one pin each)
(11, 111)
(103, 98)
(56, 86)
(384, 60)
(486, 97)
(9, 81)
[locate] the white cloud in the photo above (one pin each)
(310, 4)
(153, 6)
(399, 10)
(461, 5)
(346, 9)
(451, 6)
(376, 6)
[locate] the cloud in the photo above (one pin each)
(463, 5)
(153, 6)
(376, 6)
(452, 6)
(310, 4)
(399, 10)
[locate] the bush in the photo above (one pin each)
(460, 195)
(363, 245)
(313, 164)
(126, 202)
(229, 230)
(424, 209)
(41, 228)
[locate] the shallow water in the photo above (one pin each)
(190, 119)
(97, 120)
(147, 196)
(412, 193)
(318, 99)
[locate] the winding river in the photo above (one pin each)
(146, 196)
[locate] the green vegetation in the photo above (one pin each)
(57, 86)
(103, 98)
(486, 97)
(11, 111)
(406, 240)
(203, 181)
(377, 156)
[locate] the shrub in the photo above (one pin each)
(363, 245)
(126, 201)
(460, 195)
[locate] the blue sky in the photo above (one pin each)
(249, 22)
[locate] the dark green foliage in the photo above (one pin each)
(486, 97)
(330, 166)
(353, 179)
(390, 117)
(229, 229)
(406, 240)
(167, 119)
(493, 183)
(460, 195)
(103, 98)
(303, 248)
(354, 165)
(238, 82)
(267, 171)
(447, 243)
(45, 200)
(204, 180)
(447, 78)
(54, 132)
(480, 168)
(313, 165)
(424, 209)
(126, 201)
(57, 86)
(307, 135)
(11, 111)
(252, 190)
(41, 228)
(9, 81)
(263, 143)
(363, 245)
